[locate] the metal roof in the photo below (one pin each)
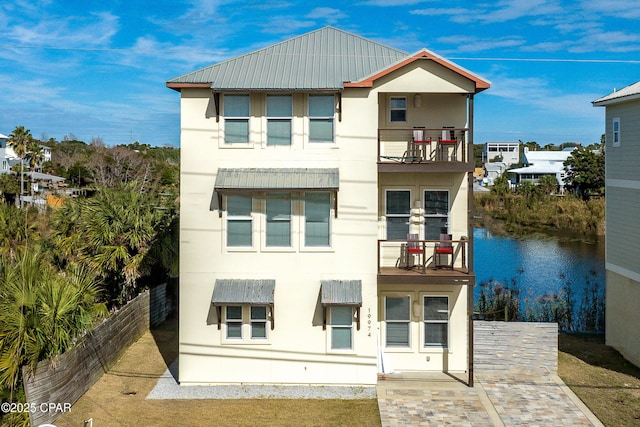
(243, 291)
(277, 179)
(320, 60)
(628, 93)
(341, 292)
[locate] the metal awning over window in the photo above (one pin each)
(248, 180)
(243, 292)
(341, 292)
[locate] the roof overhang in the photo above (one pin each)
(424, 54)
(243, 292)
(340, 293)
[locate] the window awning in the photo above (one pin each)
(341, 292)
(248, 180)
(243, 291)
(277, 179)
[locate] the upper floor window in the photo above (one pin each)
(436, 321)
(398, 109)
(236, 118)
(397, 211)
(278, 229)
(436, 213)
(279, 118)
(239, 221)
(321, 113)
(317, 214)
(615, 141)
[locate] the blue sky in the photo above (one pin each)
(98, 69)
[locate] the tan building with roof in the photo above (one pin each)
(305, 166)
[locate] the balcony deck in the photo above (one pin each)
(401, 276)
(424, 150)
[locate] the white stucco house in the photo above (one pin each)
(622, 182)
(504, 152)
(304, 167)
(540, 163)
(8, 157)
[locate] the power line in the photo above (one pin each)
(614, 61)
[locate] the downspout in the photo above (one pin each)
(471, 283)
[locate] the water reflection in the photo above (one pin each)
(539, 265)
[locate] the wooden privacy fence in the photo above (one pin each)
(515, 347)
(66, 378)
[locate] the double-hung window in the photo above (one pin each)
(397, 211)
(279, 118)
(233, 321)
(398, 109)
(258, 322)
(317, 213)
(397, 315)
(236, 326)
(278, 228)
(436, 213)
(236, 119)
(341, 327)
(239, 221)
(321, 113)
(615, 141)
(436, 321)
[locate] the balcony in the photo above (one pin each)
(397, 266)
(424, 150)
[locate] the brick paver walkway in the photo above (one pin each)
(495, 400)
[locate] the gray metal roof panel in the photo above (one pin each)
(243, 291)
(630, 92)
(321, 59)
(341, 292)
(277, 179)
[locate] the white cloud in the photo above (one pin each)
(629, 9)
(328, 14)
(475, 44)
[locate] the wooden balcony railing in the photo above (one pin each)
(423, 145)
(395, 258)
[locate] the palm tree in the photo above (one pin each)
(21, 140)
(42, 310)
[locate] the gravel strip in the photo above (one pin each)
(168, 388)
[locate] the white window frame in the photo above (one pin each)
(303, 225)
(431, 215)
(269, 118)
(312, 118)
(279, 196)
(391, 109)
(248, 218)
(247, 323)
(236, 118)
(399, 348)
(426, 322)
(615, 132)
(333, 326)
(407, 215)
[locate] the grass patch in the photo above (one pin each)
(119, 398)
(607, 383)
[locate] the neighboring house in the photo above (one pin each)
(540, 163)
(505, 152)
(622, 181)
(8, 157)
(304, 167)
(493, 171)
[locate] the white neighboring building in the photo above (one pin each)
(541, 163)
(622, 182)
(8, 157)
(507, 152)
(301, 166)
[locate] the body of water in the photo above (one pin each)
(539, 266)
